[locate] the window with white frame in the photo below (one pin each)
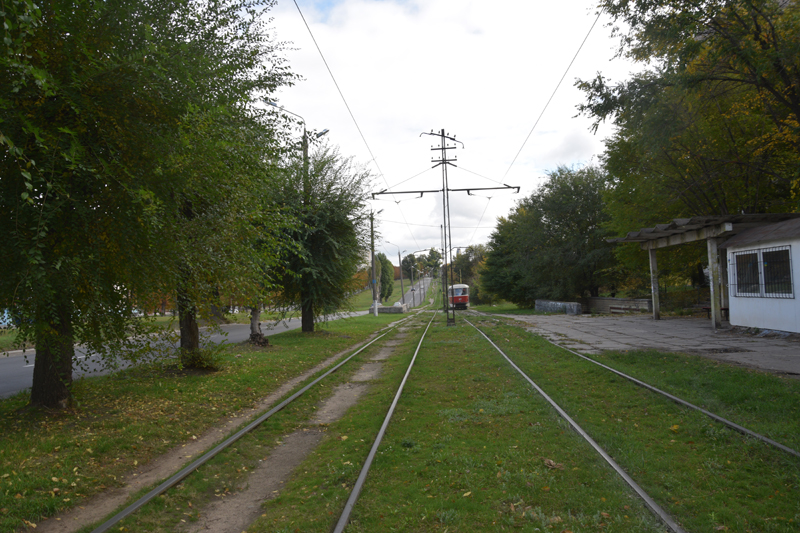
(762, 273)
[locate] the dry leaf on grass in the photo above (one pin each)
(549, 463)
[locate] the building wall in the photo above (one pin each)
(781, 314)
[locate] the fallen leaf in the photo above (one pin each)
(674, 428)
(549, 463)
(467, 494)
(29, 524)
(721, 528)
(605, 515)
(343, 437)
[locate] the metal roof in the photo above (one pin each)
(680, 226)
(788, 229)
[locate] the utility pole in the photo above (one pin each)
(374, 284)
(447, 234)
(413, 300)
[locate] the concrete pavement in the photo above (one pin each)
(588, 334)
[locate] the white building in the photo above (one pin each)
(763, 271)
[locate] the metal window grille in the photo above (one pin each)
(762, 273)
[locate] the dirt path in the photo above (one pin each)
(232, 514)
(101, 505)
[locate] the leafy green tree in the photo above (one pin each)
(553, 244)
(408, 261)
(113, 125)
(742, 56)
(331, 238)
(467, 267)
(386, 277)
(433, 260)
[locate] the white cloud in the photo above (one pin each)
(481, 70)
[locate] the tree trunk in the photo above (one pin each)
(256, 336)
(52, 368)
(307, 317)
(190, 331)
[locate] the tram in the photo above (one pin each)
(458, 296)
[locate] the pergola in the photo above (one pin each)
(712, 229)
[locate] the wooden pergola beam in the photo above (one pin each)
(700, 234)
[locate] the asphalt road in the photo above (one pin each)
(16, 368)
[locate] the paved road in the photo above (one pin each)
(16, 370)
(593, 334)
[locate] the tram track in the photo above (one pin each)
(424, 351)
(226, 444)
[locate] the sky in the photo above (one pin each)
(482, 71)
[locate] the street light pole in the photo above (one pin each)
(306, 305)
(374, 280)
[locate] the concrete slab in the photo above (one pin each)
(593, 334)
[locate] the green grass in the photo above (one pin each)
(363, 300)
(471, 447)
(466, 453)
(7, 338)
(706, 475)
(507, 308)
(137, 414)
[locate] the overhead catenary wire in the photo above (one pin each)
(552, 95)
(352, 116)
(481, 219)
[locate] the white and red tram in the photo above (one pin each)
(458, 296)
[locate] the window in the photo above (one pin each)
(765, 273)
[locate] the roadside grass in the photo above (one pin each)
(51, 461)
(224, 474)
(507, 308)
(765, 403)
(708, 477)
(7, 339)
(477, 451)
(363, 300)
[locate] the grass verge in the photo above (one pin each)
(507, 308)
(709, 477)
(51, 461)
(475, 451)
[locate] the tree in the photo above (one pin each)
(102, 107)
(387, 276)
(433, 260)
(331, 238)
(466, 269)
(552, 245)
(747, 51)
(408, 261)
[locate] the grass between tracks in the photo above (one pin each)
(471, 448)
(51, 461)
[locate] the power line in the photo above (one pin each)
(480, 175)
(437, 225)
(480, 220)
(552, 95)
(374, 160)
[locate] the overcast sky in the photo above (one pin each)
(481, 70)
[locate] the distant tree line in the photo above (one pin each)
(711, 126)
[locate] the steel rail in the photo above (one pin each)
(654, 507)
(725, 421)
(356, 492)
(183, 473)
